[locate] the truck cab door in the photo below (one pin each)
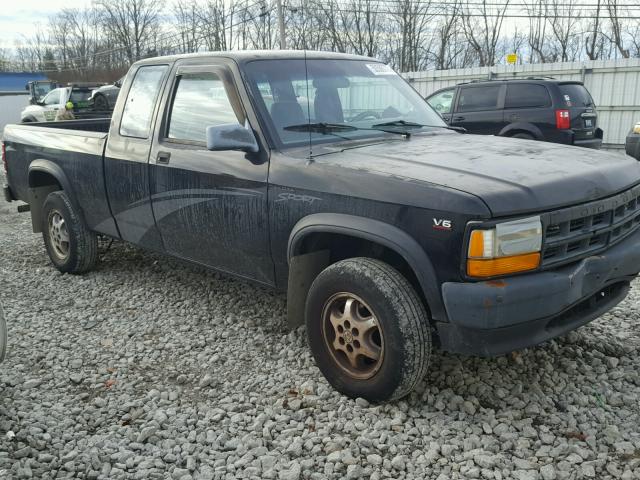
(210, 206)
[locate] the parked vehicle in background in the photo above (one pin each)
(328, 176)
(104, 98)
(46, 109)
(534, 108)
(3, 335)
(38, 89)
(632, 145)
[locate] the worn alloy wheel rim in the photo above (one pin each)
(59, 235)
(353, 335)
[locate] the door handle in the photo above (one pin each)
(163, 157)
(458, 119)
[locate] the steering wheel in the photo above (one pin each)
(364, 115)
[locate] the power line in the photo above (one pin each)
(464, 14)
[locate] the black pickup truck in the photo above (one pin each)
(328, 176)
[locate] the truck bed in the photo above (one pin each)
(100, 125)
(75, 148)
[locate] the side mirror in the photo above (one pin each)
(231, 136)
(118, 83)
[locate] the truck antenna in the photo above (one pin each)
(306, 76)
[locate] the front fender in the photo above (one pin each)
(378, 232)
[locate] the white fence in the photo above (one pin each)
(614, 85)
(11, 104)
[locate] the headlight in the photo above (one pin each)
(636, 128)
(508, 247)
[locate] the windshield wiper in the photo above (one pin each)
(321, 127)
(331, 128)
(404, 123)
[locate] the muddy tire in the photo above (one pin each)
(368, 330)
(71, 246)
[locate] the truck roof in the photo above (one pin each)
(242, 56)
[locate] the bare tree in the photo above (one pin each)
(617, 14)
(187, 19)
(593, 39)
(411, 20)
(482, 23)
(565, 19)
(132, 23)
(360, 25)
(538, 12)
(449, 44)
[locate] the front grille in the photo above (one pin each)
(575, 232)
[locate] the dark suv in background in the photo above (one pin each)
(533, 108)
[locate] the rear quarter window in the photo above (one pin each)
(575, 95)
(141, 100)
(527, 95)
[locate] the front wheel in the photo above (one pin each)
(71, 246)
(368, 330)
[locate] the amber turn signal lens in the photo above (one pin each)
(503, 265)
(476, 244)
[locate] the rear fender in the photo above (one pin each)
(39, 192)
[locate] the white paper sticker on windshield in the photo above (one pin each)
(380, 69)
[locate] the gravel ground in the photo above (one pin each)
(147, 368)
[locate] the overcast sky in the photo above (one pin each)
(19, 17)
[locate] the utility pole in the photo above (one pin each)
(283, 40)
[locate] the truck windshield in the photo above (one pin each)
(357, 95)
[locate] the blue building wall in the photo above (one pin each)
(16, 81)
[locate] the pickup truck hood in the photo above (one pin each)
(512, 176)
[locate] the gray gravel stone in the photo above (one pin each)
(185, 374)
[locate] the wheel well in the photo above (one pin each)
(341, 247)
(516, 131)
(41, 184)
(38, 178)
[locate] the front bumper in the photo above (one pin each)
(499, 316)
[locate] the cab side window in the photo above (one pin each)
(138, 110)
(442, 102)
(200, 101)
(476, 99)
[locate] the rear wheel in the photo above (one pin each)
(368, 330)
(524, 136)
(71, 246)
